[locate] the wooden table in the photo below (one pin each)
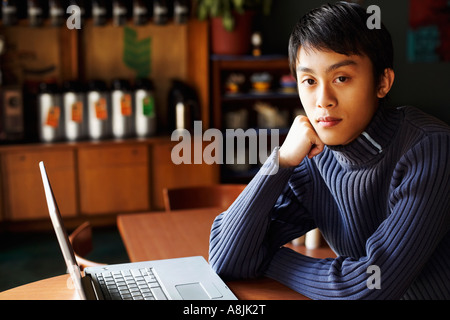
(55, 288)
(153, 236)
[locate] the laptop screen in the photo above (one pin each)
(61, 234)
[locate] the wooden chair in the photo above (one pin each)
(218, 195)
(81, 240)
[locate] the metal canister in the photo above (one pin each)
(50, 126)
(75, 115)
(140, 12)
(99, 12)
(145, 113)
(9, 12)
(99, 110)
(119, 12)
(160, 12)
(122, 109)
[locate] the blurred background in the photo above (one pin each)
(96, 88)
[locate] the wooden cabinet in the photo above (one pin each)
(113, 179)
(93, 180)
(22, 184)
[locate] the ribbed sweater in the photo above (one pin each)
(382, 200)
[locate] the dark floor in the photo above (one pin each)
(32, 256)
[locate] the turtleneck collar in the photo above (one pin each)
(372, 142)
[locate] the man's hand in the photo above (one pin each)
(301, 141)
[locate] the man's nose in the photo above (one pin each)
(325, 97)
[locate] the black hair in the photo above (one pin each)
(342, 28)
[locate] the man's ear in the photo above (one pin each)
(386, 82)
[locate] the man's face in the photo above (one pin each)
(338, 93)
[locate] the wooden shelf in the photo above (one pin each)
(224, 65)
(268, 62)
(223, 102)
(270, 95)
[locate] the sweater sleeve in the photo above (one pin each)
(244, 238)
(417, 221)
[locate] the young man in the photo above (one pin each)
(374, 180)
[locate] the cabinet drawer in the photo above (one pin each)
(56, 159)
(113, 179)
(112, 156)
(23, 189)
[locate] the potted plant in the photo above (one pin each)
(231, 22)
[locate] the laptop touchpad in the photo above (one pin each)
(192, 291)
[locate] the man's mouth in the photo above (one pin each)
(328, 122)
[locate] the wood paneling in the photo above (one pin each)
(113, 179)
(198, 64)
(104, 57)
(33, 53)
(23, 190)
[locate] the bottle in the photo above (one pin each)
(9, 12)
(99, 110)
(119, 13)
(56, 13)
(312, 239)
(183, 106)
(121, 109)
(181, 11)
(99, 12)
(35, 13)
(140, 12)
(74, 105)
(145, 114)
(50, 124)
(160, 12)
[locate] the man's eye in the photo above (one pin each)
(341, 79)
(309, 82)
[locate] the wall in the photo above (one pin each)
(104, 56)
(40, 54)
(424, 85)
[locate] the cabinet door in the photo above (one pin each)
(23, 189)
(113, 179)
(166, 174)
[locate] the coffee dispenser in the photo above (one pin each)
(122, 109)
(145, 113)
(184, 106)
(11, 113)
(98, 110)
(50, 120)
(75, 119)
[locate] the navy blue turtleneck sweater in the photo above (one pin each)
(382, 200)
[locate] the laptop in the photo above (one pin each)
(188, 278)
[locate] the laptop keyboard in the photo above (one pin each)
(134, 284)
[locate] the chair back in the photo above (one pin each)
(81, 240)
(217, 195)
